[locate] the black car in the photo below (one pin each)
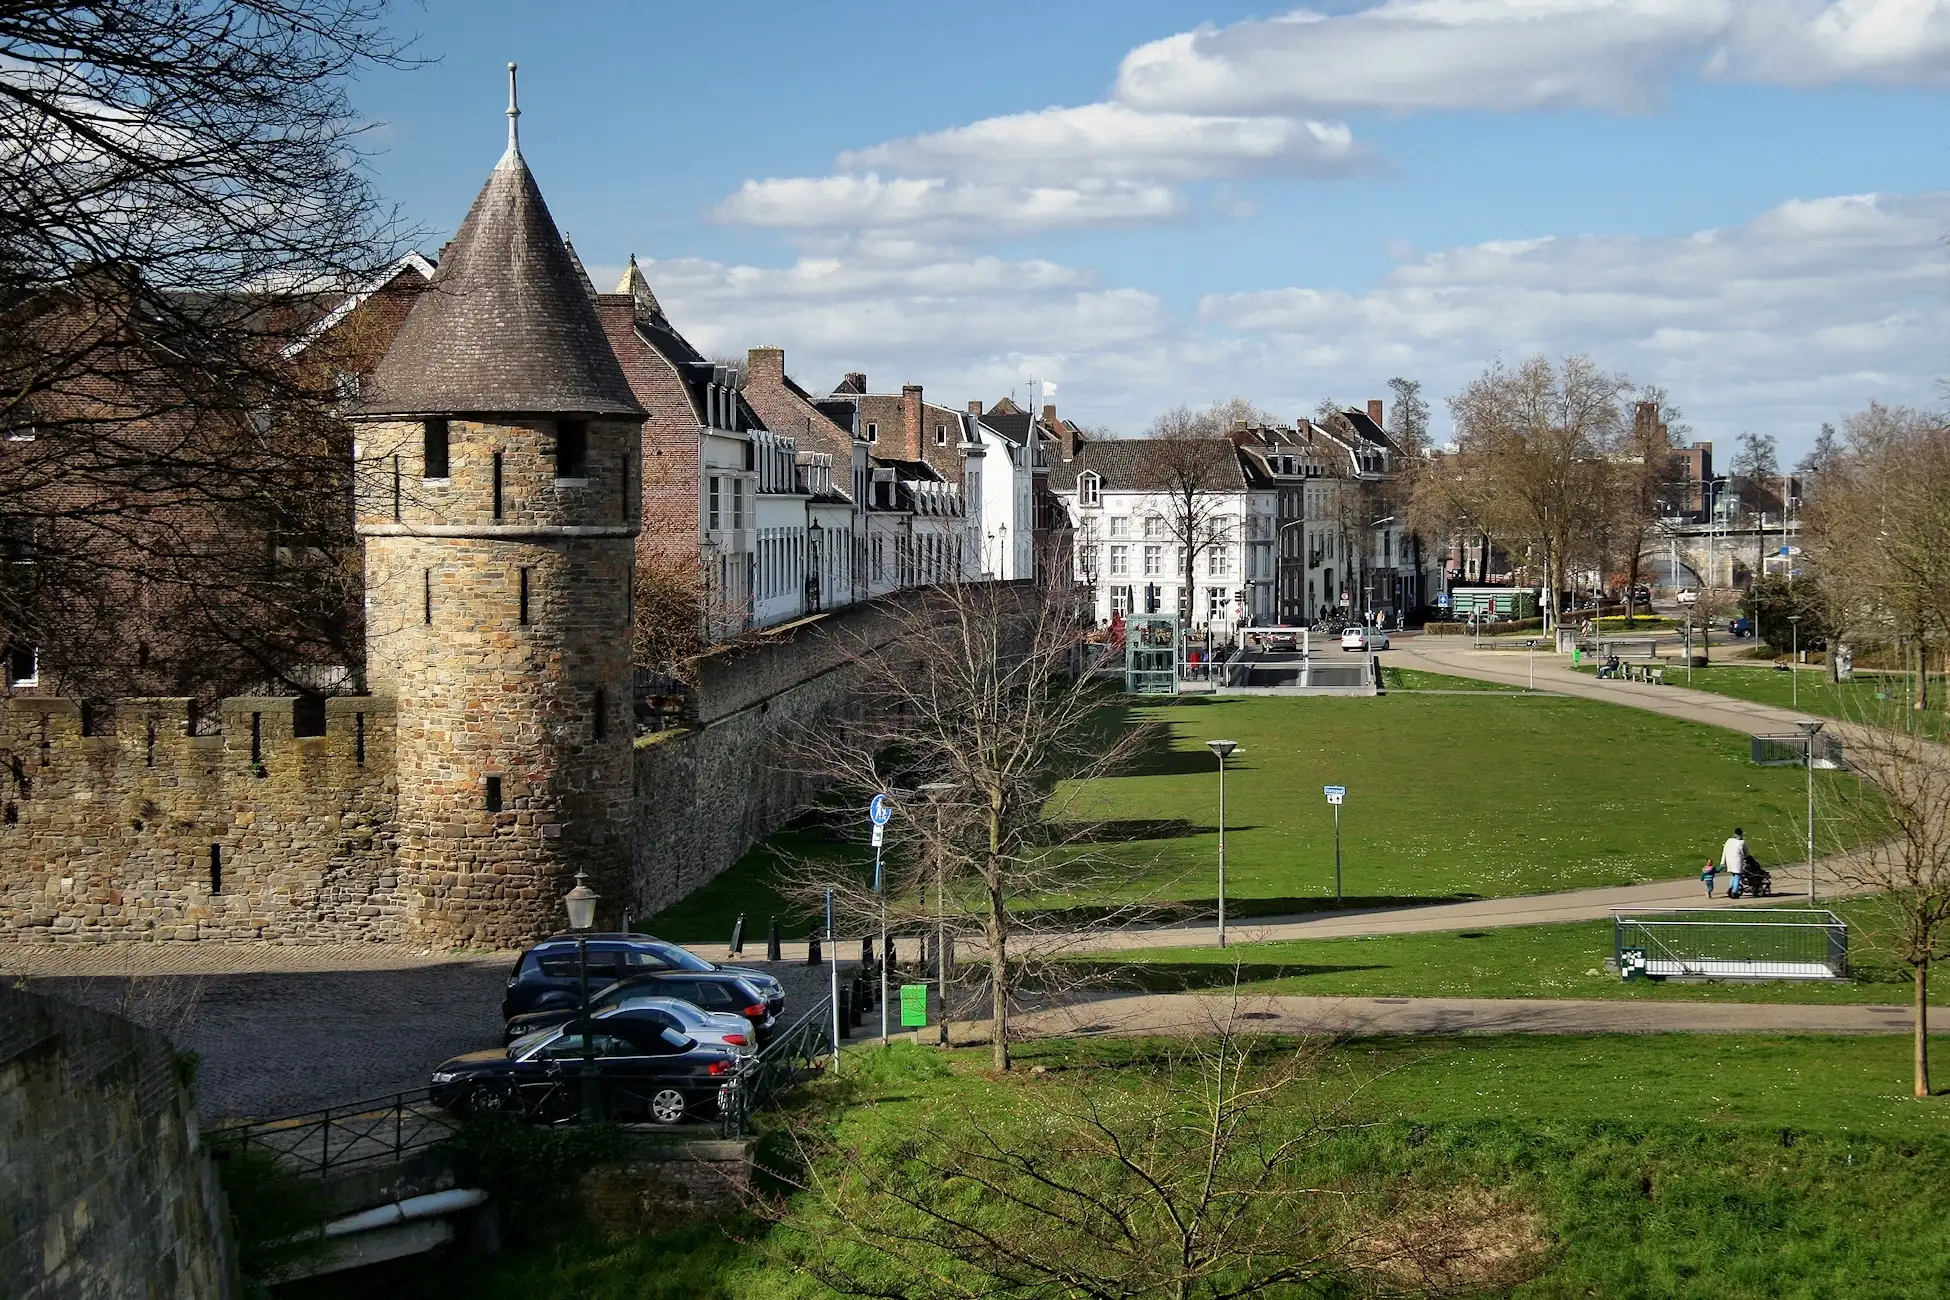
(548, 976)
(719, 990)
(647, 1071)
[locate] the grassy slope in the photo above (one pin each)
(1450, 796)
(1531, 961)
(1684, 1166)
(1852, 701)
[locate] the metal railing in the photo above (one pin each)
(790, 1058)
(341, 1137)
(1766, 943)
(1791, 750)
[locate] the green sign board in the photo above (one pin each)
(914, 1006)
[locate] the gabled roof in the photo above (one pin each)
(1128, 464)
(1370, 431)
(412, 262)
(507, 324)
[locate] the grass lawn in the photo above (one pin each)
(1813, 694)
(1415, 679)
(1681, 1166)
(1485, 794)
(1519, 961)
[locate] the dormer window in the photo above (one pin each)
(940, 435)
(873, 431)
(572, 449)
(1089, 490)
(434, 449)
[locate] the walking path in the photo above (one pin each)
(1196, 1013)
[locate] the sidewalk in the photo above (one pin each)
(1194, 1013)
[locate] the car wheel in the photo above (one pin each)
(667, 1106)
(487, 1099)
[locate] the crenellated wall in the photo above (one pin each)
(110, 835)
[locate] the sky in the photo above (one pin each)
(1740, 201)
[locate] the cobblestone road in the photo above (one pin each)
(278, 1030)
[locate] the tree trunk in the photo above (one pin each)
(1922, 1030)
(998, 979)
(1922, 700)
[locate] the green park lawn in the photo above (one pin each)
(1876, 699)
(1416, 679)
(1483, 794)
(1522, 961)
(1656, 1166)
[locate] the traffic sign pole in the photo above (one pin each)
(1337, 851)
(880, 811)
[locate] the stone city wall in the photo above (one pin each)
(107, 1194)
(121, 822)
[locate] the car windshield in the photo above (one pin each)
(672, 1007)
(680, 958)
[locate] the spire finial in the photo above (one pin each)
(514, 114)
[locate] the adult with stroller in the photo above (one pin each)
(1745, 877)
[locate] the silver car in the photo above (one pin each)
(711, 1028)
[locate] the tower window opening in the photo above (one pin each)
(497, 485)
(359, 739)
(216, 868)
(257, 738)
(521, 596)
(572, 449)
(91, 721)
(12, 815)
(149, 745)
(308, 715)
(494, 794)
(602, 714)
(435, 446)
(426, 596)
(623, 477)
(396, 488)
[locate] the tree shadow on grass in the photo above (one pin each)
(1192, 977)
(1186, 910)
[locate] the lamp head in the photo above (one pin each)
(1809, 726)
(936, 791)
(1223, 748)
(581, 902)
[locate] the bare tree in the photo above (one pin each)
(1195, 473)
(183, 194)
(1531, 441)
(1644, 483)
(974, 691)
(1901, 809)
(1201, 1177)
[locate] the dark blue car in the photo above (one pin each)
(646, 1071)
(549, 976)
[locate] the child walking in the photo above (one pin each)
(1706, 877)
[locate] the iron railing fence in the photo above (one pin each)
(1791, 750)
(340, 1137)
(1766, 943)
(794, 1055)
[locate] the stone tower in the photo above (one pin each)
(499, 455)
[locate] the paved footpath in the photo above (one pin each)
(1196, 1013)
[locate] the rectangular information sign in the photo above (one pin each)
(1335, 793)
(914, 1006)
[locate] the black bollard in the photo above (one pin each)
(857, 1003)
(812, 949)
(772, 941)
(737, 944)
(866, 951)
(846, 1015)
(893, 954)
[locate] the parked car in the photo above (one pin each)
(548, 976)
(1688, 596)
(719, 992)
(1362, 638)
(1742, 626)
(1641, 595)
(728, 1028)
(648, 1071)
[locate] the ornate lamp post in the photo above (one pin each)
(815, 551)
(581, 905)
(1222, 748)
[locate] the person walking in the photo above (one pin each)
(1706, 877)
(1733, 856)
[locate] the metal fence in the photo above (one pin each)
(789, 1059)
(340, 1137)
(1766, 943)
(1791, 750)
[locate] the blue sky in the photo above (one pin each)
(1739, 200)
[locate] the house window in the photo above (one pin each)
(1120, 526)
(1154, 526)
(738, 503)
(1087, 490)
(1154, 561)
(572, 449)
(494, 794)
(22, 666)
(1215, 604)
(1120, 561)
(712, 504)
(1120, 600)
(940, 435)
(873, 431)
(1218, 562)
(434, 448)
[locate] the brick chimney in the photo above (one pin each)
(1374, 411)
(975, 407)
(913, 443)
(765, 366)
(855, 381)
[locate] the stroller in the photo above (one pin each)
(1755, 882)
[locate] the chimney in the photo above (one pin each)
(911, 436)
(765, 366)
(975, 407)
(1374, 411)
(1049, 415)
(855, 381)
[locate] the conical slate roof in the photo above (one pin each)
(507, 324)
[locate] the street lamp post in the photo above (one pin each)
(1222, 748)
(581, 905)
(1794, 657)
(1809, 726)
(936, 791)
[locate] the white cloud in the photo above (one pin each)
(933, 203)
(1116, 142)
(1612, 55)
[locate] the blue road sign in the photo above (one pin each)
(881, 810)
(1335, 793)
